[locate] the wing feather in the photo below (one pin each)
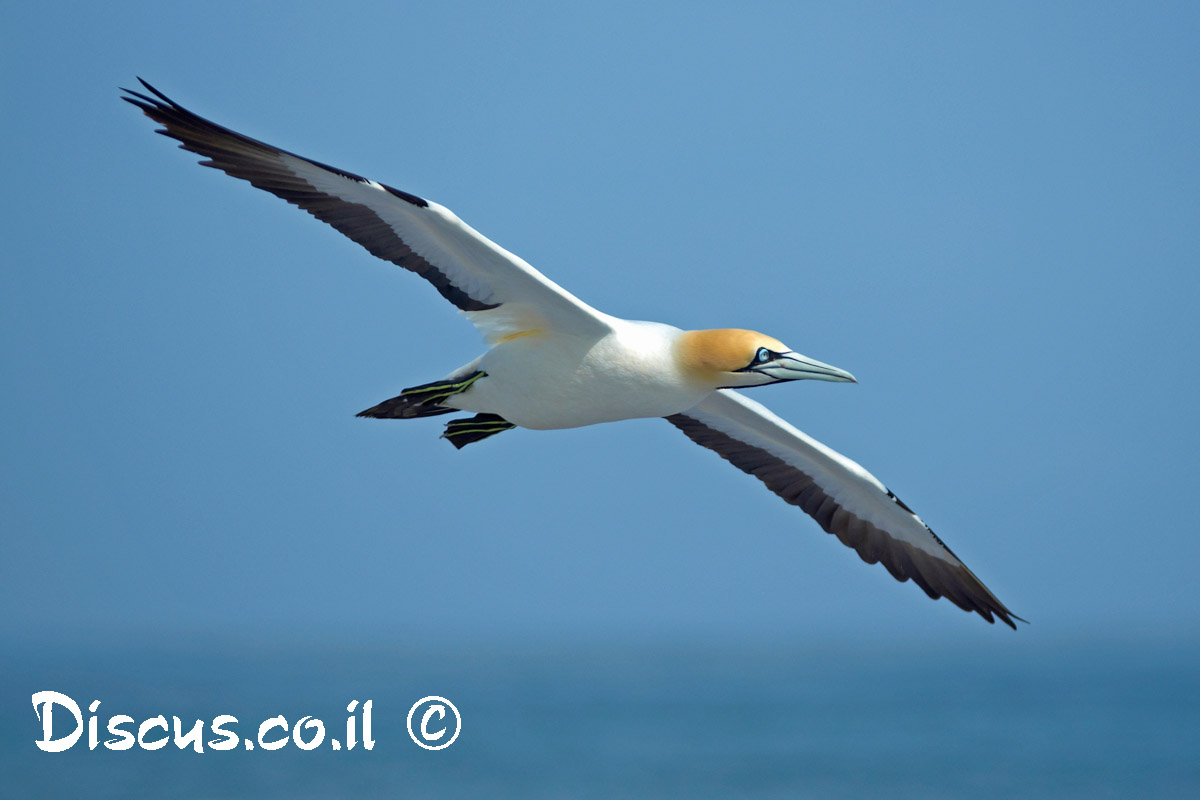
(844, 499)
(501, 292)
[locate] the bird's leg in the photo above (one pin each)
(461, 432)
(424, 400)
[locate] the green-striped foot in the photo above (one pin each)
(461, 432)
(424, 400)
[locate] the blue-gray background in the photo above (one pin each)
(990, 215)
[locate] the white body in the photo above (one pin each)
(548, 379)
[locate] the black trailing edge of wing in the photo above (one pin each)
(260, 164)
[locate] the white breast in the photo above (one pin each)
(558, 380)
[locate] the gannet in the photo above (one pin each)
(555, 362)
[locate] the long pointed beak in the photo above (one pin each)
(795, 367)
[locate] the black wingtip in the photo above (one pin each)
(140, 100)
(155, 92)
(144, 101)
(1007, 618)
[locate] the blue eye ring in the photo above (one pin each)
(762, 355)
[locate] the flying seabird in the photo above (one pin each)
(556, 362)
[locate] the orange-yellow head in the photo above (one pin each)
(734, 358)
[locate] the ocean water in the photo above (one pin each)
(645, 721)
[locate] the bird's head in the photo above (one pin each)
(733, 358)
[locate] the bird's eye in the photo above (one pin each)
(763, 354)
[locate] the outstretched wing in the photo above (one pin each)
(502, 294)
(841, 496)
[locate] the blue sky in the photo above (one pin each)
(988, 214)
